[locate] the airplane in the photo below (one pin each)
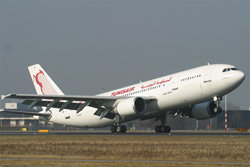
(194, 93)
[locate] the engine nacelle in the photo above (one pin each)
(130, 106)
(205, 110)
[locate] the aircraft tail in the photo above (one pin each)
(44, 85)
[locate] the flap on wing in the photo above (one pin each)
(71, 106)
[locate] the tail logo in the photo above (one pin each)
(37, 80)
(44, 84)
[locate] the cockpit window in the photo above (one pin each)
(229, 69)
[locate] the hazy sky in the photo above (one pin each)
(89, 45)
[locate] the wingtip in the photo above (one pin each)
(7, 96)
(3, 97)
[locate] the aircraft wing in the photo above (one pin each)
(70, 97)
(72, 102)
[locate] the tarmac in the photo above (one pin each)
(133, 133)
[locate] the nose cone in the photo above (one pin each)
(231, 80)
(237, 78)
(240, 77)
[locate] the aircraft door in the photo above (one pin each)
(177, 93)
(207, 80)
(174, 86)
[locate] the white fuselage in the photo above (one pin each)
(175, 91)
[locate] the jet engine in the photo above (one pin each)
(205, 110)
(130, 106)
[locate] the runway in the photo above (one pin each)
(136, 133)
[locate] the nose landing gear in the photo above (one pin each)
(217, 101)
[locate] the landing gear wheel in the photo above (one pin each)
(162, 129)
(113, 129)
(157, 129)
(168, 129)
(118, 129)
(123, 129)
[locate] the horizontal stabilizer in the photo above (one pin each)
(27, 113)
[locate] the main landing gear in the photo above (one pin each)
(163, 128)
(117, 127)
